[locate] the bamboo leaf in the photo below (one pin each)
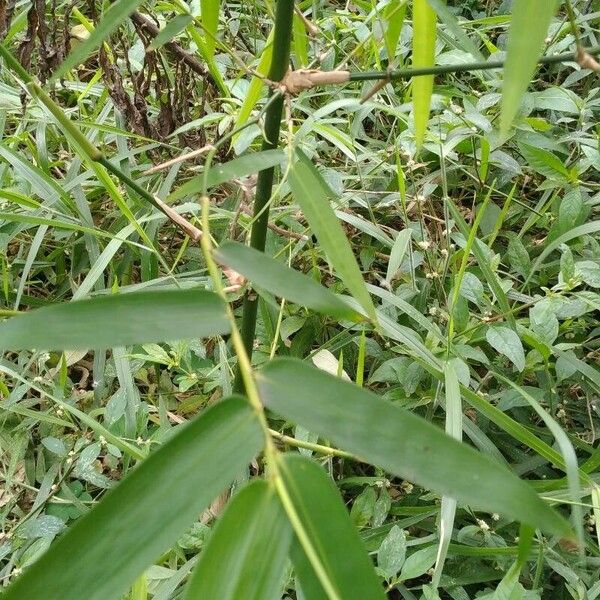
(173, 28)
(120, 320)
(454, 429)
(255, 88)
(405, 445)
(528, 28)
(254, 535)
(424, 34)
(238, 167)
(210, 23)
(282, 281)
(112, 19)
(313, 194)
(325, 520)
(100, 556)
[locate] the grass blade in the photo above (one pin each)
(112, 19)
(405, 445)
(282, 281)
(424, 34)
(313, 194)
(453, 429)
(255, 535)
(324, 518)
(210, 23)
(528, 28)
(119, 320)
(238, 167)
(147, 511)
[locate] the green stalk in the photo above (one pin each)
(264, 185)
(396, 74)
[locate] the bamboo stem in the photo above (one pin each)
(397, 74)
(264, 185)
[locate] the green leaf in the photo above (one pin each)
(324, 518)
(210, 23)
(111, 20)
(543, 321)
(545, 163)
(586, 229)
(173, 28)
(254, 535)
(103, 552)
(528, 29)
(313, 194)
(282, 281)
(253, 94)
(518, 256)
(507, 342)
(405, 444)
(392, 552)
(300, 41)
(424, 34)
(238, 167)
(393, 14)
(589, 272)
(397, 253)
(120, 320)
(418, 563)
(454, 428)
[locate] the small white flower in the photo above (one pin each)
(424, 245)
(17, 571)
(444, 252)
(483, 525)
(457, 110)
(495, 517)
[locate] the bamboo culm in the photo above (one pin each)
(264, 186)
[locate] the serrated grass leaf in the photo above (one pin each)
(528, 28)
(275, 277)
(254, 535)
(424, 35)
(110, 21)
(326, 521)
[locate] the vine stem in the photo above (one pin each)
(280, 63)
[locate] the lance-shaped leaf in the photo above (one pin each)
(528, 29)
(340, 555)
(275, 277)
(405, 444)
(120, 320)
(313, 194)
(103, 553)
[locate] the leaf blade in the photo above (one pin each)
(255, 534)
(112, 19)
(424, 35)
(326, 521)
(282, 281)
(118, 320)
(238, 167)
(312, 194)
(147, 511)
(406, 445)
(528, 28)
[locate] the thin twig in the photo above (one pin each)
(178, 159)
